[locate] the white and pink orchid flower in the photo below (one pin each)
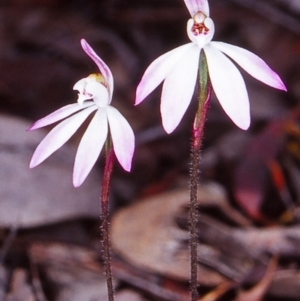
(95, 95)
(178, 69)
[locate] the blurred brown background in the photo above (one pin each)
(43, 218)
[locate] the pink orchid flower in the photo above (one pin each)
(178, 69)
(95, 95)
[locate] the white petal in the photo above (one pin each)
(253, 64)
(229, 86)
(58, 136)
(90, 147)
(104, 69)
(158, 70)
(122, 137)
(178, 89)
(195, 6)
(59, 114)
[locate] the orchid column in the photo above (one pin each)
(107, 127)
(208, 62)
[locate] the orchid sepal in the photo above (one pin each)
(195, 6)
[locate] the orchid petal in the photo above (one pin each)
(60, 114)
(229, 86)
(104, 69)
(251, 63)
(90, 147)
(122, 137)
(59, 135)
(178, 89)
(158, 70)
(195, 6)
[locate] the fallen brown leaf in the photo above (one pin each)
(147, 235)
(44, 194)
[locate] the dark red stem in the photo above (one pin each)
(105, 224)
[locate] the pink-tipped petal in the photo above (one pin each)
(59, 115)
(122, 137)
(252, 64)
(104, 69)
(158, 70)
(178, 89)
(58, 136)
(229, 86)
(90, 147)
(195, 6)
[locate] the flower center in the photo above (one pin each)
(199, 27)
(94, 77)
(94, 87)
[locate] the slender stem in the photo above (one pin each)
(197, 133)
(104, 217)
(195, 157)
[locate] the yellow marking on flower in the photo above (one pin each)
(98, 77)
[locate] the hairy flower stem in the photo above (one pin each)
(197, 137)
(110, 156)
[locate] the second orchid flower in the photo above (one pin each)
(178, 69)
